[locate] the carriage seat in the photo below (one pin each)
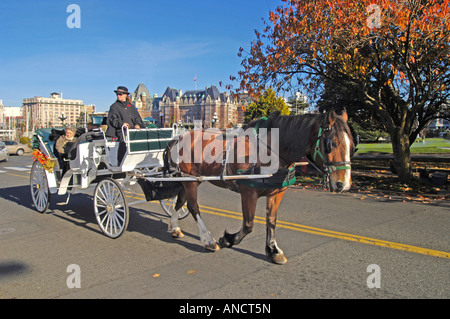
(85, 137)
(149, 140)
(144, 148)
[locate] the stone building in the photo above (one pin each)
(42, 112)
(196, 105)
(143, 101)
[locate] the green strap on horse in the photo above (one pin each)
(263, 122)
(282, 178)
(317, 148)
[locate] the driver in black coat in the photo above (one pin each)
(122, 113)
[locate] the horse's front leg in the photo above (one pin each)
(205, 236)
(273, 252)
(249, 199)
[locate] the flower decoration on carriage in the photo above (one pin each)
(47, 163)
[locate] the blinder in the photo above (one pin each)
(327, 145)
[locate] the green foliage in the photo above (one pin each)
(265, 105)
(24, 140)
(367, 133)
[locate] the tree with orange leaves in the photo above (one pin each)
(392, 55)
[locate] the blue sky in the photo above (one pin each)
(158, 43)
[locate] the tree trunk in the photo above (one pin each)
(402, 155)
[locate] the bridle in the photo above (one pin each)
(328, 167)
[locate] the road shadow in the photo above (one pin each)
(249, 253)
(155, 224)
(19, 194)
(80, 212)
(12, 268)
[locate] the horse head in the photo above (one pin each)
(332, 149)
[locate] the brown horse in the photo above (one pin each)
(324, 138)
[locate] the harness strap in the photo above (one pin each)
(258, 123)
(317, 148)
(337, 166)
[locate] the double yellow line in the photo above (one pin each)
(330, 233)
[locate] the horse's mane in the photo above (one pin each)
(295, 131)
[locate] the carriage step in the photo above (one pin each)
(66, 202)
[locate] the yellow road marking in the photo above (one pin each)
(18, 175)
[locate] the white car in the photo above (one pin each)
(4, 155)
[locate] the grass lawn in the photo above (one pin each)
(431, 145)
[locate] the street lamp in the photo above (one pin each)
(214, 120)
(62, 118)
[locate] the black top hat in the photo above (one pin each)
(122, 89)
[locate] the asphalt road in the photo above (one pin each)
(338, 246)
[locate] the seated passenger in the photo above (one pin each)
(65, 143)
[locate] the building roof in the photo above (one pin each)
(141, 90)
(198, 95)
(213, 92)
(171, 93)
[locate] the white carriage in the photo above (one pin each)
(92, 165)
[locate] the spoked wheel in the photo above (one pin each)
(40, 192)
(168, 205)
(111, 209)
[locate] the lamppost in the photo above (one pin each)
(62, 118)
(214, 120)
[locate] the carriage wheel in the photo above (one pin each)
(111, 209)
(40, 192)
(168, 205)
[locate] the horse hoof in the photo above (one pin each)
(224, 243)
(212, 247)
(278, 259)
(227, 241)
(177, 233)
